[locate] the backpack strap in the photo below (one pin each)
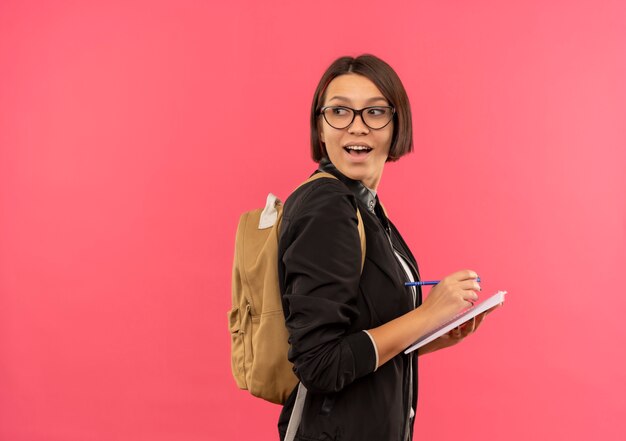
(296, 413)
(360, 226)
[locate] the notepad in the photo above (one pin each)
(459, 319)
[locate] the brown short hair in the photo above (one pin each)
(387, 81)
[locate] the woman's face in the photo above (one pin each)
(358, 151)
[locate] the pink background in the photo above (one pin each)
(133, 134)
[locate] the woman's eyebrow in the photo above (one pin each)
(368, 101)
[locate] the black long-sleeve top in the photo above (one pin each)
(329, 303)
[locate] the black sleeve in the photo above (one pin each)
(321, 257)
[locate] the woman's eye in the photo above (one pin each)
(340, 111)
(377, 111)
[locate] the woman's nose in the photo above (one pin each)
(358, 125)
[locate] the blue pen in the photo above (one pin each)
(427, 282)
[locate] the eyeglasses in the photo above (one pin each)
(374, 117)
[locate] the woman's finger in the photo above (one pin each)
(455, 333)
(460, 276)
(469, 295)
(464, 275)
(470, 284)
(479, 320)
(470, 326)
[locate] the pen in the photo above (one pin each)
(427, 282)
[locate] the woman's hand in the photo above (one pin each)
(457, 334)
(453, 294)
(446, 299)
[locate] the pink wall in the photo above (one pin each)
(132, 134)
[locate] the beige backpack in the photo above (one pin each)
(259, 338)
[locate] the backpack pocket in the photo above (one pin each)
(271, 376)
(237, 348)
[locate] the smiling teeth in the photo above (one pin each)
(357, 147)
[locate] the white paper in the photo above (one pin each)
(466, 315)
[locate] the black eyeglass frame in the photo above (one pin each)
(358, 112)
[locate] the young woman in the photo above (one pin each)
(350, 320)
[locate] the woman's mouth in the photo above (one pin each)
(357, 149)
